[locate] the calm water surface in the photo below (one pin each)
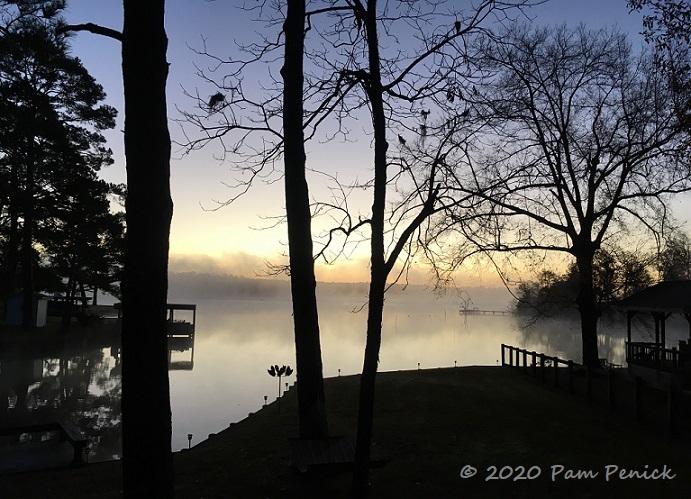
(222, 376)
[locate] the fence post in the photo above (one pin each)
(542, 366)
(525, 361)
(675, 359)
(638, 399)
(570, 376)
(671, 408)
(503, 360)
(534, 364)
(555, 360)
(511, 356)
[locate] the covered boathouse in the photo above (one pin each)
(657, 361)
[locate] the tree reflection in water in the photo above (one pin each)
(73, 378)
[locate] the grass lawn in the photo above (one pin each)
(430, 424)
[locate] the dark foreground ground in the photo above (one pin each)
(432, 425)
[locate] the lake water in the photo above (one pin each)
(222, 376)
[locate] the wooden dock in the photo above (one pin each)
(181, 336)
(181, 327)
(176, 327)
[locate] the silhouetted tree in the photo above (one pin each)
(581, 137)
(311, 401)
(148, 460)
(617, 273)
(349, 79)
(233, 117)
(82, 241)
(394, 87)
(147, 456)
(674, 260)
(666, 22)
(51, 129)
(667, 26)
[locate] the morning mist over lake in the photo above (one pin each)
(345, 248)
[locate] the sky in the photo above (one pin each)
(239, 238)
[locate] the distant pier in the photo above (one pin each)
(181, 327)
(477, 311)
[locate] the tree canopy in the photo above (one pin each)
(576, 139)
(56, 226)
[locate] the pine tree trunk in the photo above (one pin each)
(147, 458)
(12, 252)
(28, 321)
(310, 386)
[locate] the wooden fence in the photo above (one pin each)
(665, 406)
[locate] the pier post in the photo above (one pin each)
(503, 360)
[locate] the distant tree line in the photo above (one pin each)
(57, 230)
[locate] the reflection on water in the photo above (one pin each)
(221, 376)
(65, 379)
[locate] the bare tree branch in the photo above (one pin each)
(92, 28)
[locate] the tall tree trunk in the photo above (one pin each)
(310, 386)
(378, 266)
(587, 307)
(27, 239)
(147, 457)
(82, 293)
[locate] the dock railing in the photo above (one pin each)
(654, 356)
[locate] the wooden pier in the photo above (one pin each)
(181, 327)
(477, 311)
(181, 336)
(176, 327)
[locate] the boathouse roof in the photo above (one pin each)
(668, 297)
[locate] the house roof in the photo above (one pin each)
(669, 297)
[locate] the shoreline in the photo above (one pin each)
(431, 424)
